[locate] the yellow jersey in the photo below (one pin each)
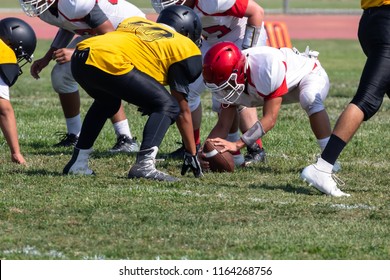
(7, 55)
(9, 68)
(137, 42)
(365, 4)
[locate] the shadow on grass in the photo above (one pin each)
(286, 188)
(39, 148)
(37, 172)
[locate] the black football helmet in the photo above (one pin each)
(184, 20)
(20, 37)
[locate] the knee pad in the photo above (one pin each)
(61, 76)
(312, 105)
(62, 79)
(313, 90)
(197, 88)
(193, 101)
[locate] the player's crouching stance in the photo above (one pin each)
(266, 77)
(17, 44)
(134, 63)
(77, 20)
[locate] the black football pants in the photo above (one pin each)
(374, 38)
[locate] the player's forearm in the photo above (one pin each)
(184, 124)
(255, 14)
(8, 126)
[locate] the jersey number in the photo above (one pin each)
(221, 29)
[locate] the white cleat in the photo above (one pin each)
(323, 181)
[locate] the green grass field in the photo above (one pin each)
(262, 212)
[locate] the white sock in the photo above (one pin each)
(73, 125)
(322, 142)
(238, 157)
(324, 165)
(233, 137)
(122, 128)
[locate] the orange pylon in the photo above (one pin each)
(277, 33)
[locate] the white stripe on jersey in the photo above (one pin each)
(77, 9)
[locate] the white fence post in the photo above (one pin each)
(285, 6)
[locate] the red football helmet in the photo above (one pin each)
(224, 71)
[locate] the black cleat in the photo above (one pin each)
(67, 140)
(255, 155)
(125, 144)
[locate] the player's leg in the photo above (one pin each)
(194, 102)
(125, 141)
(255, 153)
(97, 84)
(68, 93)
(162, 108)
(313, 92)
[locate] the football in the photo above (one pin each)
(219, 162)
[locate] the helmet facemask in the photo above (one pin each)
(23, 58)
(160, 5)
(34, 8)
(228, 92)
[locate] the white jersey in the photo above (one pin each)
(4, 90)
(274, 72)
(71, 14)
(222, 20)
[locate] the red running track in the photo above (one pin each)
(301, 26)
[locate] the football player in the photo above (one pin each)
(265, 77)
(84, 18)
(17, 44)
(135, 63)
(374, 28)
(239, 21)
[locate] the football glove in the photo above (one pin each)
(308, 53)
(191, 162)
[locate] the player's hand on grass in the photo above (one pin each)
(191, 162)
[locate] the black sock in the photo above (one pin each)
(333, 149)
